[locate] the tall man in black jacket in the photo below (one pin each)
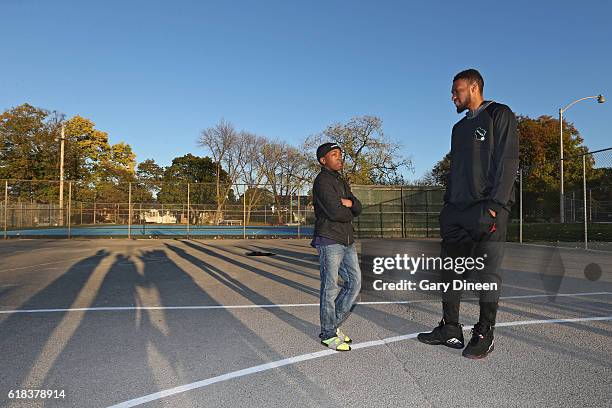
(479, 194)
(335, 207)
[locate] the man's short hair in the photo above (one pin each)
(471, 75)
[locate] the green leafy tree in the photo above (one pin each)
(29, 150)
(191, 169)
(150, 176)
(30, 140)
(438, 175)
(29, 146)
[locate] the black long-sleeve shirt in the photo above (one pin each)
(484, 158)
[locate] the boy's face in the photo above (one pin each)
(332, 160)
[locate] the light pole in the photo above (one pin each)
(61, 181)
(600, 99)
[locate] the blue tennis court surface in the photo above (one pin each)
(140, 231)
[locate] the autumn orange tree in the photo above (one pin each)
(539, 154)
(30, 150)
(539, 162)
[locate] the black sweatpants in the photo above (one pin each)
(473, 232)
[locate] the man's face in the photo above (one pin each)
(333, 160)
(462, 93)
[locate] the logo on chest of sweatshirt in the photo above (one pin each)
(480, 133)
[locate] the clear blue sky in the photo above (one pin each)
(155, 73)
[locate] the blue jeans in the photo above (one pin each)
(335, 306)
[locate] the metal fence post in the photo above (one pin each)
(69, 209)
(244, 213)
(521, 205)
(584, 198)
(590, 204)
(5, 209)
(380, 215)
(427, 213)
(403, 212)
(573, 206)
(188, 204)
(298, 210)
(129, 210)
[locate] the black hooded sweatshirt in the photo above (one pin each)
(484, 158)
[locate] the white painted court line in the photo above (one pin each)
(270, 306)
(311, 356)
(501, 297)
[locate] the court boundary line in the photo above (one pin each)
(311, 356)
(273, 306)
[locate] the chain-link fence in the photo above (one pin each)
(577, 213)
(34, 208)
(51, 208)
(398, 211)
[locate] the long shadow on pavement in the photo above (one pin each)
(25, 337)
(116, 356)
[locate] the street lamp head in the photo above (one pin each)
(600, 99)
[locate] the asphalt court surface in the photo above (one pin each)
(196, 323)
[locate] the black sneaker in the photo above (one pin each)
(451, 335)
(481, 344)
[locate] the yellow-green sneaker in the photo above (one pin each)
(343, 336)
(336, 343)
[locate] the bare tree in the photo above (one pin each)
(226, 146)
(370, 157)
(286, 170)
(273, 154)
(251, 171)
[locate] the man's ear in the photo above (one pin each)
(474, 87)
(322, 161)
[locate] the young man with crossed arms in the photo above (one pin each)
(335, 207)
